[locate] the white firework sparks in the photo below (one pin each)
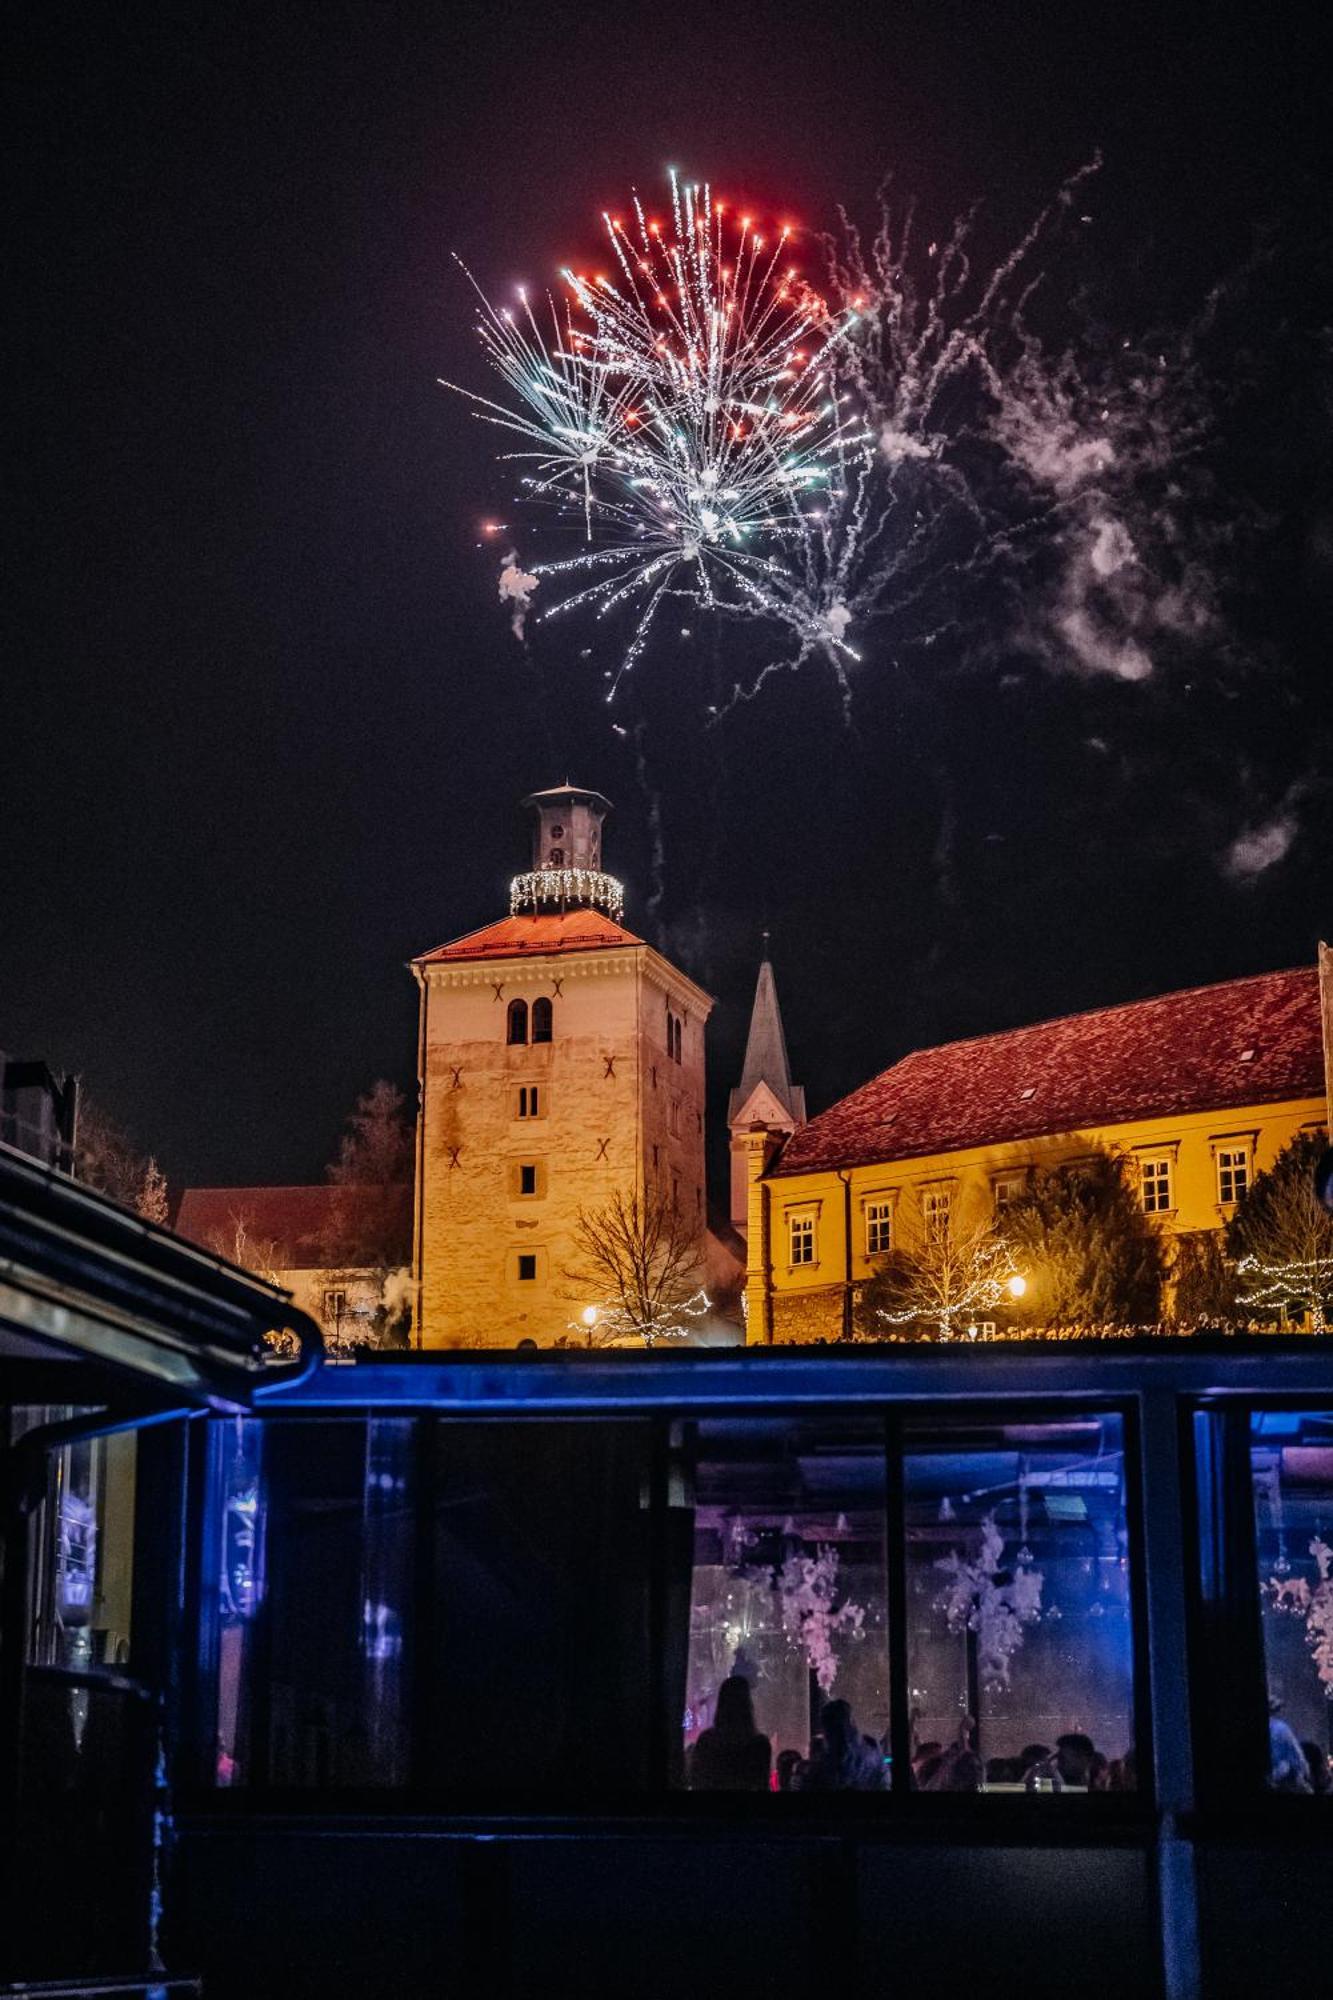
(815, 459)
(687, 402)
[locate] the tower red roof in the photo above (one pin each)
(533, 936)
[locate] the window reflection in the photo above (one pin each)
(1020, 1657)
(239, 1553)
(785, 1680)
(314, 1544)
(1291, 1458)
(85, 1555)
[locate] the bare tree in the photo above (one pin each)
(239, 1244)
(372, 1169)
(944, 1279)
(369, 1214)
(638, 1264)
(151, 1200)
(1282, 1239)
(105, 1157)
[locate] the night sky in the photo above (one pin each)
(265, 724)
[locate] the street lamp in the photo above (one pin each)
(589, 1318)
(1016, 1286)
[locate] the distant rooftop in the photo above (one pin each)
(300, 1228)
(1247, 1041)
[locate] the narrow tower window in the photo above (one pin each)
(518, 1023)
(542, 1019)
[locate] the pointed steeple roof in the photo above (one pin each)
(766, 1062)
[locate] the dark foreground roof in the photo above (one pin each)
(84, 1279)
(1249, 1041)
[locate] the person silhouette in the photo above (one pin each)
(732, 1756)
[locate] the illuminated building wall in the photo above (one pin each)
(561, 1060)
(1222, 1078)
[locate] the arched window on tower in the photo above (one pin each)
(543, 1015)
(557, 857)
(518, 1023)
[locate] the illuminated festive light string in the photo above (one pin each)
(612, 1323)
(566, 886)
(1306, 1281)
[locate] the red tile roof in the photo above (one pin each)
(299, 1228)
(521, 937)
(1250, 1041)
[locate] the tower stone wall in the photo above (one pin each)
(516, 1137)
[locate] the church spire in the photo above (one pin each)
(766, 1050)
(765, 1094)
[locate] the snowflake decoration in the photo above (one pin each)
(1294, 1594)
(975, 1600)
(807, 1587)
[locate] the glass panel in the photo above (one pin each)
(538, 1660)
(84, 1555)
(1291, 1456)
(316, 1537)
(1020, 1653)
(787, 1604)
(236, 1558)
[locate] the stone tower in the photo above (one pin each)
(765, 1098)
(561, 1060)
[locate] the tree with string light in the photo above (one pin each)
(638, 1261)
(1282, 1238)
(941, 1283)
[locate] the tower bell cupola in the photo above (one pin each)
(566, 870)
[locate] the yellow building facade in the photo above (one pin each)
(1200, 1091)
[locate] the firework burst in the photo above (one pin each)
(687, 402)
(819, 459)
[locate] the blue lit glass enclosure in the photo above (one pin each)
(1291, 1459)
(1020, 1647)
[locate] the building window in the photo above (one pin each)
(1155, 1184)
(335, 1305)
(1291, 1461)
(1019, 1612)
(527, 1266)
(801, 1238)
(517, 1032)
(543, 1015)
(879, 1228)
(674, 1119)
(1233, 1173)
(557, 857)
(1008, 1188)
(765, 1491)
(677, 1046)
(527, 1179)
(936, 1208)
(529, 1100)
